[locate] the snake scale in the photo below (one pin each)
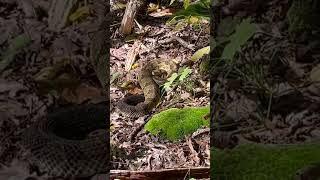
(67, 143)
(139, 105)
(62, 145)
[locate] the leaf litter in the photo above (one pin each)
(28, 47)
(269, 93)
(147, 152)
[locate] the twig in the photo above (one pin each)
(181, 41)
(194, 153)
(133, 135)
(269, 105)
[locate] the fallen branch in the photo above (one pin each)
(168, 174)
(127, 22)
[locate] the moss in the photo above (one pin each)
(258, 162)
(174, 124)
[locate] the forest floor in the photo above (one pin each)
(45, 63)
(269, 91)
(151, 41)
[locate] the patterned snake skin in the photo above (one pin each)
(64, 144)
(67, 144)
(137, 105)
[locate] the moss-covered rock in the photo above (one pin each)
(263, 162)
(174, 124)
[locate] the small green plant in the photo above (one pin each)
(193, 13)
(173, 124)
(242, 33)
(232, 35)
(186, 3)
(176, 78)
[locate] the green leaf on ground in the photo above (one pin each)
(200, 53)
(185, 73)
(170, 81)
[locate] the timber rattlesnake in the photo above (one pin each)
(63, 144)
(136, 105)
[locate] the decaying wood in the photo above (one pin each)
(168, 174)
(132, 55)
(127, 22)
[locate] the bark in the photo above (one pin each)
(167, 174)
(127, 23)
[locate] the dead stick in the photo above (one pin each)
(168, 174)
(127, 22)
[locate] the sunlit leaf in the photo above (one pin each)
(197, 9)
(170, 81)
(180, 25)
(118, 6)
(193, 20)
(200, 53)
(153, 7)
(186, 4)
(185, 73)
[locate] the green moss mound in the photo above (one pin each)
(259, 162)
(173, 124)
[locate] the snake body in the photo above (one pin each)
(137, 105)
(62, 144)
(66, 143)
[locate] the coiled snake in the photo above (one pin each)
(62, 144)
(137, 105)
(66, 144)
